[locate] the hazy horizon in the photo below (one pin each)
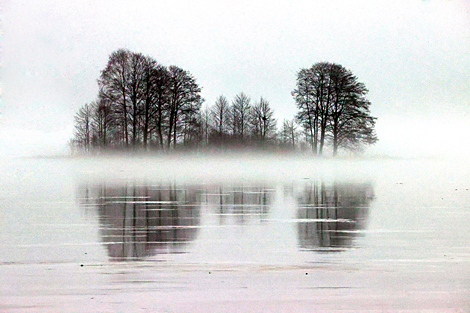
(411, 55)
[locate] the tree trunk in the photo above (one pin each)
(335, 137)
(322, 136)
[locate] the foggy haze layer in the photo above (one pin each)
(411, 55)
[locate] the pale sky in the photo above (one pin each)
(413, 55)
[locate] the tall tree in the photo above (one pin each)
(240, 116)
(135, 92)
(263, 122)
(114, 85)
(161, 85)
(154, 96)
(351, 122)
(332, 104)
(83, 127)
(305, 96)
(220, 119)
(185, 100)
(102, 122)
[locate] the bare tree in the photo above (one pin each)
(351, 122)
(240, 116)
(263, 122)
(83, 127)
(289, 134)
(305, 98)
(154, 97)
(141, 101)
(313, 97)
(185, 100)
(135, 90)
(332, 104)
(220, 119)
(204, 119)
(114, 85)
(161, 81)
(102, 122)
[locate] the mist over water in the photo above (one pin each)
(376, 234)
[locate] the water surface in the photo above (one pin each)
(229, 234)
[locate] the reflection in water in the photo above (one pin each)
(330, 216)
(243, 204)
(142, 221)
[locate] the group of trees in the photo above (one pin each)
(140, 103)
(144, 105)
(239, 124)
(333, 107)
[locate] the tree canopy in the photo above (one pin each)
(142, 104)
(333, 108)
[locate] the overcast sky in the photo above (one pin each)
(413, 55)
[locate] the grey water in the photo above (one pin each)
(233, 234)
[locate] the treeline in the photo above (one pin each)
(144, 105)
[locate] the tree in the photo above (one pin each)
(161, 90)
(142, 102)
(114, 84)
(354, 128)
(102, 122)
(350, 119)
(307, 116)
(313, 95)
(220, 119)
(263, 122)
(204, 123)
(137, 71)
(332, 105)
(184, 100)
(83, 127)
(154, 97)
(240, 116)
(288, 134)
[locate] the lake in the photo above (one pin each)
(234, 234)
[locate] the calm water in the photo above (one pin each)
(234, 234)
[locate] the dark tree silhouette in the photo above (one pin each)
(114, 86)
(160, 84)
(102, 122)
(263, 122)
(142, 104)
(332, 104)
(241, 108)
(135, 91)
(184, 103)
(305, 97)
(351, 122)
(220, 120)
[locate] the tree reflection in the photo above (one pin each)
(329, 217)
(242, 203)
(142, 221)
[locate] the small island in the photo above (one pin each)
(145, 106)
